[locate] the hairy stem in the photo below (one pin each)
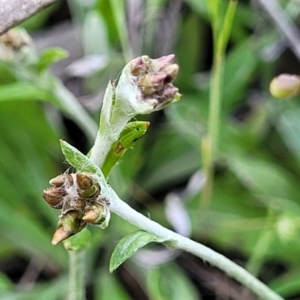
(123, 210)
(76, 289)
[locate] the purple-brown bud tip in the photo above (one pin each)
(137, 66)
(170, 70)
(170, 91)
(163, 61)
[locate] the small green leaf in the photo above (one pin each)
(130, 134)
(83, 164)
(78, 241)
(51, 56)
(129, 245)
(78, 160)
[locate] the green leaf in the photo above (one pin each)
(288, 284)
(50, 56)
(82, 163)
(21, 91)
(170, 283)
(78, 160)
(95, 35)
(240, 65)
(5, 284)
(130, 134)
(263, 178)
(78, 241)
(288, 127)
(107, 287)
(129, 245)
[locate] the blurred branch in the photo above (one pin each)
(284, 23)
(13, 12)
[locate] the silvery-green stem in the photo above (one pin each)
(109, 129)
(76, 290)
(123, 210)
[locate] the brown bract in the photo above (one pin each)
(78, 196)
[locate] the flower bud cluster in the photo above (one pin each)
(79, 198)
(144, 86)
(151, 84)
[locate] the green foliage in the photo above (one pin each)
(170, 283)
(128, 245)
(78, 241)
(256, 166)
(49, 57)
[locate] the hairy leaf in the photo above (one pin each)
(129, 245)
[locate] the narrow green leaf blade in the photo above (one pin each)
(50, 56)
(130, 134)
(129, 245)
(22, 91)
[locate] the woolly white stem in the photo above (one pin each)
(123, 210)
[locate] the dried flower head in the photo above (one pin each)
(79, 198)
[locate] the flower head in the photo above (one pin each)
(81, 203)
(145, 85)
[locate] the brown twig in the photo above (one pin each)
(13, 12)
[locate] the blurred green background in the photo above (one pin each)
(45, 94)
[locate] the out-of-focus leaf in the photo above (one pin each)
(288, 125)
(37, 21)
(118, 12)
(27, 234)
(68, 103)
(56, 290)
(240, 65)
(94, 35)
(49, 57)
(287, 285)
(5, 284)
(198, 6)
(107, 287)
(170, 159)
(169, 283)
(264, 178)
(21, 91)
(189, 64)
(129, 244)
(25, 168)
